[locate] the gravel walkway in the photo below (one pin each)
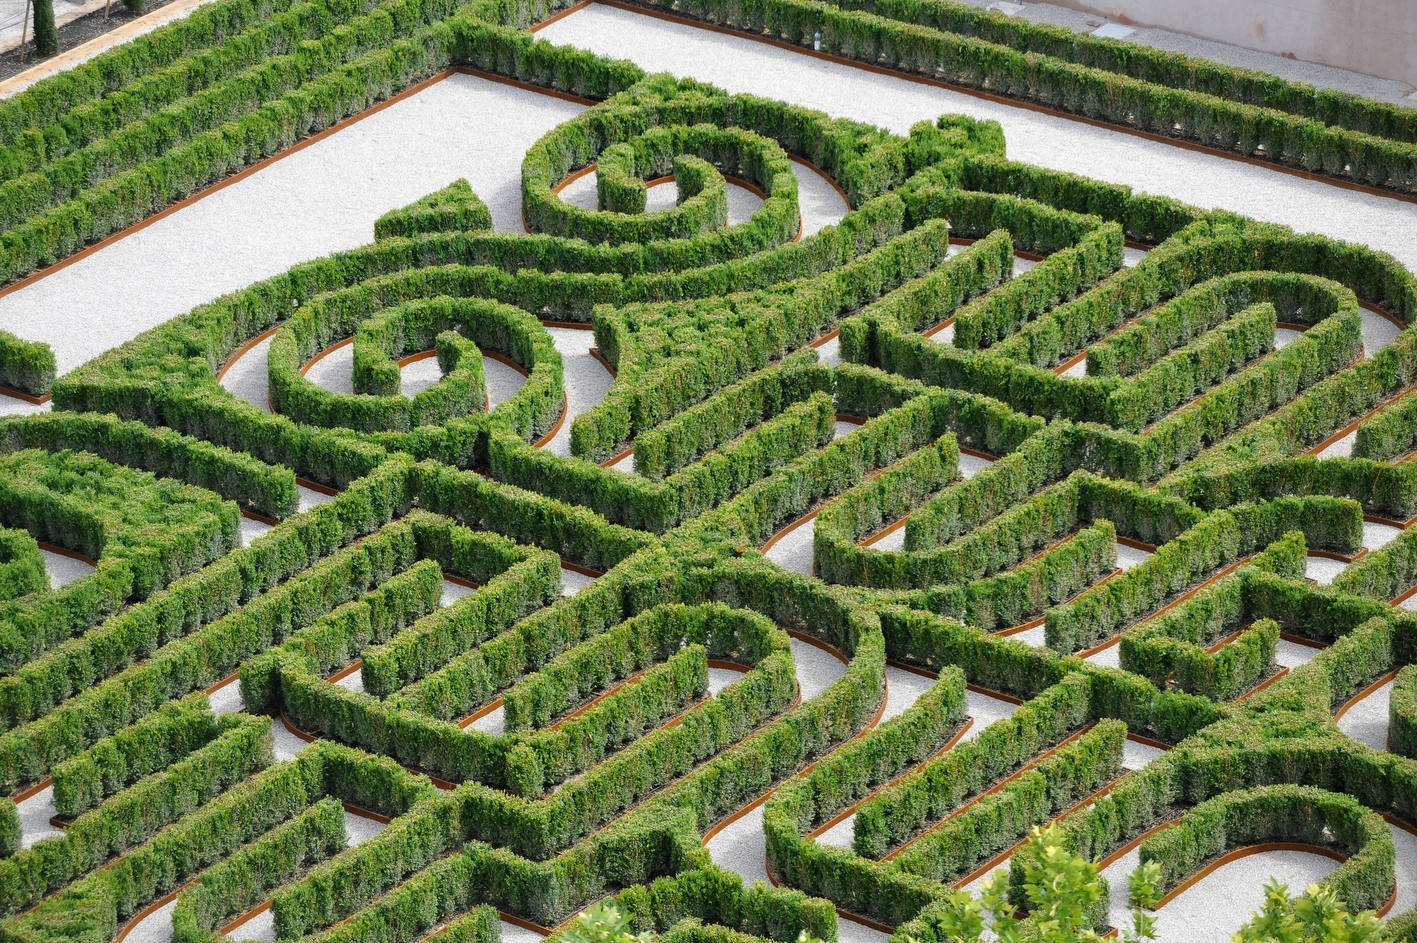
(64, 570)
(318, 200)
(741, 65)
(1367, 720)
(585, 379)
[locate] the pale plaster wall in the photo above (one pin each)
(1376, 37)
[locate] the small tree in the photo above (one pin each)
(604, 923)
(1063, 890)
(46, 34)
(1317, 916)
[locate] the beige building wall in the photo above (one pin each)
(1377, 37)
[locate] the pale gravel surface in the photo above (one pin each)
(318, 200)
(1128, 557)
(452, 592)
(251, 529)
(1377, 535)
(35, 813)
(1292, 654)
(1220, 903)
(14, 406)
(1323, 570)
(793, 549)
(1137, 755)
(247, 376)
(418, 376)
(573, 582)
(64, 570)
(971, 465)
(740, 847)
(156, 927)
(741, 65)
(503, 381)
(829, 352)
(310, 498)
(585, 379)
(1367, 720)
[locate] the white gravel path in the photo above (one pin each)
(318, 200)
(156, 927)
(418, 376)
(1128, 557)
(971, 465)
(1378, 535)
(1292, 654)
(64, 570)
(251, 529)
(14, 406)
(573, 582)
(1137, 755)
(1220, 903)
(452, 592)
(1367, 720)
(741, 65)
(793, 550)
(584, 378)
(511, 933)
(35, 813)
(1322, 570)
(503, 381)
(248, 375)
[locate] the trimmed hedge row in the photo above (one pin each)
(929, 794)
(1402, 713)
(1384, 573)
(236, 817)
(241, 747)
(1387, 434)
(22, 568)
(527, 581)
(336, 638)
(143, 532)
(163, 737)
(1024, 592)
(455, 208)
(253, 484)
(382, 333)
(158, 629)
(1364, 881)
(727, 414)
(242, 881)
(1176, 647)
(527, 765)
(26, 366)
(1001, 819)
(1219, 539)
(631, 647)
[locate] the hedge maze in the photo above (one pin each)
(484, 685)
